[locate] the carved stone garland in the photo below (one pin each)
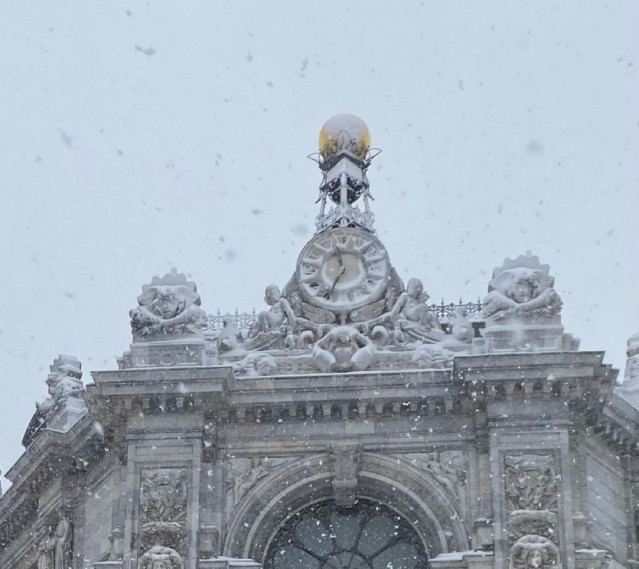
(163, 503)
(531, 503)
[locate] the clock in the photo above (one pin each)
(342, 269)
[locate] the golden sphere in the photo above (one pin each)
(344, 131)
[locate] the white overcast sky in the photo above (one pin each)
(138, 136)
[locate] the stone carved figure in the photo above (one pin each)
(411, 316)
(45, 553)
(526, 522)
(53, 549)
(534, 552)
(445, 467)
(343, 348)
(163, 496)
(169, 308)
(346, 461)
(521, 289)
(163, 506)
(275, 327)
(64, 382)
(433, 357)
(244, 474)
(160, 557)
(61, 539)
(256, 364)
(531, 482)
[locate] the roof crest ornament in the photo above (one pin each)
(344, 156)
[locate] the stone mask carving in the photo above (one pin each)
(160, 557)
(169, 308)
(534, 552)
(522, 289)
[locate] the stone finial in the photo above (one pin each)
(169, 308)
(521, 290)
(65, 387)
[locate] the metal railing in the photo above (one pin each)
(444, 312)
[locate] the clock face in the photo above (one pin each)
(343, 269)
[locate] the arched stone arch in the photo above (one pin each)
(413, 494)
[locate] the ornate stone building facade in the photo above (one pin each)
(349, 425)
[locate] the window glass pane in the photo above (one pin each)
(346, 529)
(314, 536)
(376, 535)
(399, 556)
(294, 558)
(328, 536)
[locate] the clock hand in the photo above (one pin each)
(339, 258)
(330, 294)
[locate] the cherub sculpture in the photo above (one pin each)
(64, 382)
(534, 552)
(412, 317)
(279, 313)
(344, 348)
(169, 307)
(521, 290)
(274, 325)
(159, 557)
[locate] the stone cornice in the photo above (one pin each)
(577, 377)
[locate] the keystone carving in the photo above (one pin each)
(346, 462)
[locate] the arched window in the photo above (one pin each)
(364, 536)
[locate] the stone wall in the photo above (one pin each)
(98, 518)
(607, 504)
